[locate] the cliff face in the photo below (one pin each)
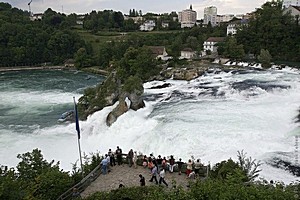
(110, 92)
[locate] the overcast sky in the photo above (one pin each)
(155, 6)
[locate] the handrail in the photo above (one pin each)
(83, 184)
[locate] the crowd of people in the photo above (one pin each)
(157, 165)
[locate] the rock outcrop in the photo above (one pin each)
(108, 93)
(121, 108)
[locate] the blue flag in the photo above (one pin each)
(76, 120)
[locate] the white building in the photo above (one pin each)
(165, 24)
(210, 15)
(148, 25)
(187, 18)
(135, 19)
(287, 3)
(187, 53)
(224, 18)
(211, 44)
(160, 53)
(36, 17)
(232, 27)
(293, 11)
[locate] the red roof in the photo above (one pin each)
(188, 49)
(215, 39)
(157, 50)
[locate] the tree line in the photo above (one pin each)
(269, 30)
(26, 42)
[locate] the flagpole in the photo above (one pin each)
(80, 157)
(78, 134)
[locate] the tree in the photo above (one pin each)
(137, 62)
(9, 183)
(249, 166)
(81, 58)
(41, 179)
(265, 58)
(231, 49)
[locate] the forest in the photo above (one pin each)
(26, 43)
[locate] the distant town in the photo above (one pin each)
(188, 17)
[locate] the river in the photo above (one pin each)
(211, 118)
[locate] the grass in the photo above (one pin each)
(97, 39)
(102, 37)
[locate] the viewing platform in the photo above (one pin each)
(129, 177)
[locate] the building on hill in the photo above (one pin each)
(159, 52)
(148, 25)
(187, 53)
(36, 17)
(293, 11)
(210, 15)
(165, 24)
(287, 3)
(233, 26)
(211, 44)
(187, 17)
(224, 18)
(137, 19)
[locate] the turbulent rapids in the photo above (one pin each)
(211, 117)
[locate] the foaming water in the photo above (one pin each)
(31, 102)
(211, 118)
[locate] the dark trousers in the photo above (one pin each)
(119, 159)
(162, 180)
(130, 162)
(112, 161)
(154, 177)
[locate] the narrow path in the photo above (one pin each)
(129, 176)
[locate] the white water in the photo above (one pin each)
(188, 122)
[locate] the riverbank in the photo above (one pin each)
(93, 70)
(20, 68)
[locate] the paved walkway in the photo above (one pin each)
(129, 176)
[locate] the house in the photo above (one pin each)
(159, 52)
(287, 3)
(80, 19)
(136, 19)
(69, 63)
(233, 26)
(293, 11)
(165, 24)
(187, 53)
(211, 43)
(148, 25)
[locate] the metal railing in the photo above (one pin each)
(82, 185)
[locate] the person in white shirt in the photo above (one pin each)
(108, 162)
(162, 175)
(134, 159)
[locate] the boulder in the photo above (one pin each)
(117, 112)
(136, 100)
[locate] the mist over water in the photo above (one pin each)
(211, 118)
